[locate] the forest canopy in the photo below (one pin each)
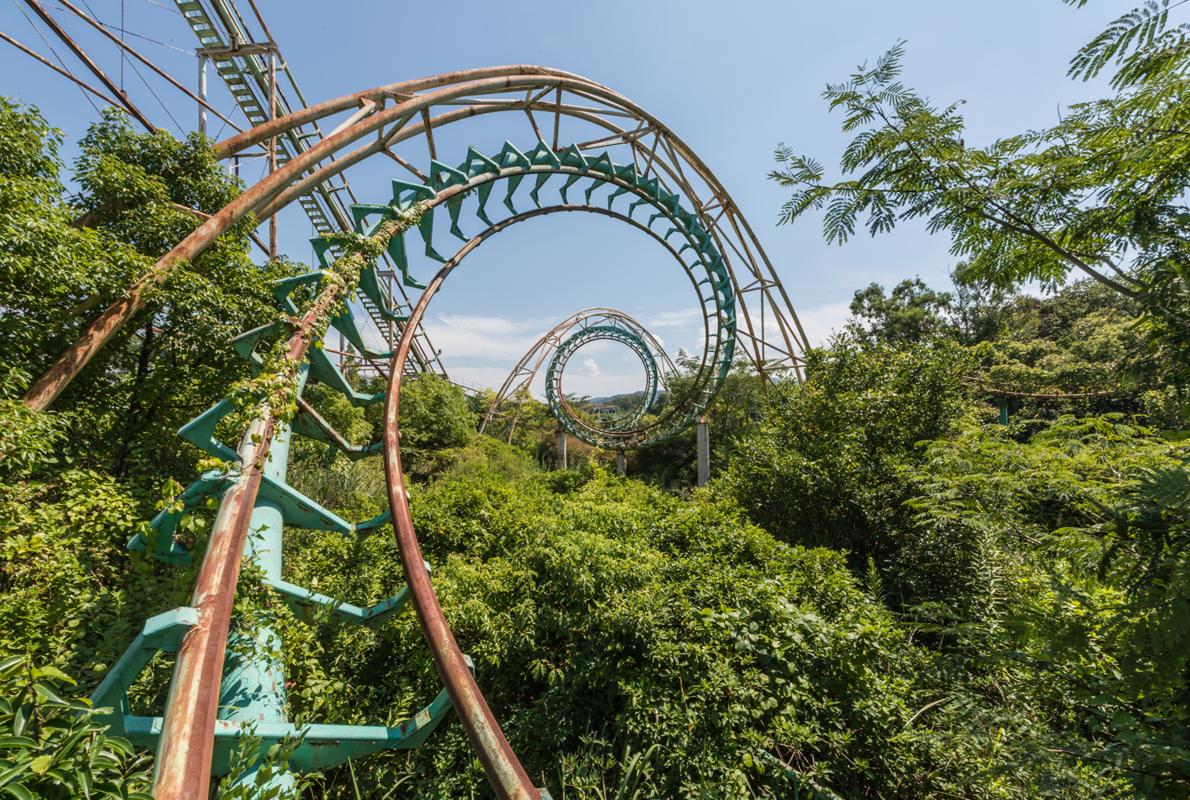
(953, 561)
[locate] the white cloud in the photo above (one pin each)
(673, 319)
(820, 322)
(463, 336)
(481, 349)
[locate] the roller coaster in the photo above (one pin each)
(556, 346)
(590, 150)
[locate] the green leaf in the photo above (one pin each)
(53, 672)
(17, 741)
(48, 695)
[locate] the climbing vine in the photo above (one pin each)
(275, 385)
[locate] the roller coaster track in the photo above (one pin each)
(616, 153)
(510, 397)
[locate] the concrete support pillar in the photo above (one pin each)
(561, 449)
(621, 462)
(703, 442)
(202, 93)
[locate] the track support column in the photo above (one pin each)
(703, 442)
(253, 685)
(202, 92)
(621, 462)
(561, 448)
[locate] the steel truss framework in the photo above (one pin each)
(605, 432)
(626, 152)
(506, 406)
(693, 250)
(381, 118)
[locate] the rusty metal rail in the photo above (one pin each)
(653, 165)
(184, 755)
(388, 115)
(500, 763)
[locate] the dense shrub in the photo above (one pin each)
(634, 642)
(881, 597)
(826, 468)
(54, 748)
(435, 419)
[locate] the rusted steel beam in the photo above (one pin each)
(501, 765)
(97, 25)
(185, 749)
(91, 65)
(421, 176)
(51, 383)
(516, 383)
(309, 181)
(503, 769)
(409, 117)
(184, 753)
(203, 215)
(234, 144)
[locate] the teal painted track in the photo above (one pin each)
(601, 432)
(664, 216)
(328, 744)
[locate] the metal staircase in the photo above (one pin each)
(243, 66)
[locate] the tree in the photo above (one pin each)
(434, 417)
(913, 312)
(978, 306)
(735, 410)
(1103, 192)
(826, 465)
(139, 194)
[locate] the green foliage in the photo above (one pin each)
(77, 483)
(1102, 192)
(735, 411)
(1139, 41)
(1064, 555)
(435, 417)
(933, 607)
(1080, 351)
(145, 188)
(47, 267)
(174, 360)
(27, 439)
(825, 468)
(606, 618)
(31, 150)
(912, 312)
(51, 747)
(1042, 563)
(69, 593)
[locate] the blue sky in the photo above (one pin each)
(760, 65)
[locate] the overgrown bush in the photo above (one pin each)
(827, 466)
(53, 748)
